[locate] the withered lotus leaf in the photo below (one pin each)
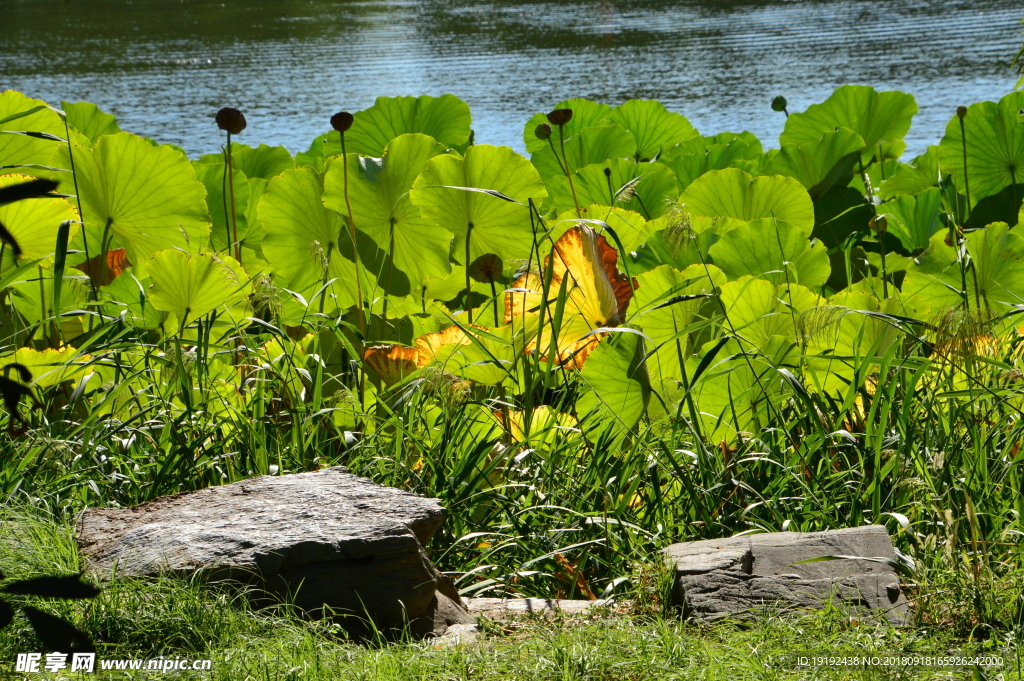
(597, 294)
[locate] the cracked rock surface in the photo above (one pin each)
(335, 542)
(719, 577)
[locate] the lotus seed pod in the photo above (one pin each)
(560, 117)
(779, 103)
(879, 225)
(342, 121)
(543, 131)
(961, 111)
(231, 119)
(607, 172)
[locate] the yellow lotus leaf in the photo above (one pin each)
(33, 223)
(392, 362)
(48, 367)
(541, 427)
(597, 295)
(430, 344)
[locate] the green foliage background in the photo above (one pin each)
(803, 337)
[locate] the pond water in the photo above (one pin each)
(165, 66)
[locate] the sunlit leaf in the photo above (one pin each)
(819, 165)
(596, 295)
(49, 367)
(619, 387)
(654, 128)
(379, 193)
(732, 193)
(33, 224)
(585, 114)
(773, 250)
(994, 275)
(995, 147)
(696, 156)
(303, 238)
(22, 150)
(190, 286)
(879, 118)
(488, 224)
(140, 197)
(89, 120)
(589, 145)
(644, 188)
(445, 118)
(914, 219)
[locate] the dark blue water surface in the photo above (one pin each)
(165, 66)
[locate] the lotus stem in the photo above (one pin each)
(880, 229)
(81, 215)
(229, 178)
(961, 113)
(469, 283)
(568, 174)
(352, 235)
(231, 121)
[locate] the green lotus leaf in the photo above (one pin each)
(320, 149)
(618, 386)
(212, 177)
(773, 250)
(87, 119)
(629, 227)
(737, 394)
(128, 294)
(756, 309)
(302, 236)
(732, 193)
(489, 224)
(381, 207)
(589, 145)
(914, 219)
(143, 198)
(445, 118)
(49, 367)
(74, 296)
(669, 324)
(994, 276)
(644, 188)
(694, 157)
(585, 114)
(880, 118)
(254, 228)
(674, 243)
(491, 355)
(264, 161)
(33, 223)
(21, 150)
(819, 165)
(913, 178)
(839, 336)
(995, 148)
(191, 286)
(655, 128)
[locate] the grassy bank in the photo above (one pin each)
(639, 335)
(634, 639)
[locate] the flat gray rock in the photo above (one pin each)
(337, 543)
(505, 608)
(719, 577)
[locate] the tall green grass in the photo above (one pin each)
(929, 447)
